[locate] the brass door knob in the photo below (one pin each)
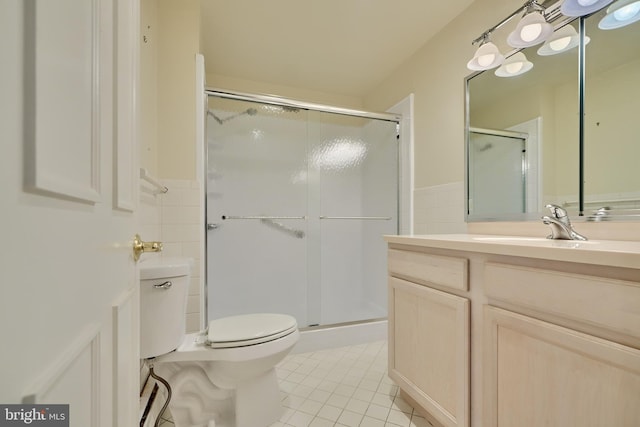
(139, 247)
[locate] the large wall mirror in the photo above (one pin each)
(612, 117)
(524, 136)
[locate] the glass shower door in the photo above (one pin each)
(356, 163)
(297, 203)
(256, 209)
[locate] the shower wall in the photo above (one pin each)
(299, 200)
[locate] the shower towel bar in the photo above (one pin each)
(262, 217)
(383, 218)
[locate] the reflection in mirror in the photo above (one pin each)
(612, 104)
(497, 161)
(541, 106)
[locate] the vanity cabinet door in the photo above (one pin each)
(540, 374)
(429, 349)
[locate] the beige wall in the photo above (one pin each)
(611, 136)
(178, 42)
(435, 75)
(168, 137)
(149, 86)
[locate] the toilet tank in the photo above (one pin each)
(164, 286)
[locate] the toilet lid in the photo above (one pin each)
(249, 329)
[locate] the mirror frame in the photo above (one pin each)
(531, 216)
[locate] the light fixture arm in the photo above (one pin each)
(529, 6)
(485, 35)
(484, 38)
(534, 6)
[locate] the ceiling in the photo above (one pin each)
(344, 47)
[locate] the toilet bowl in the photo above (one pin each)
(224, 376)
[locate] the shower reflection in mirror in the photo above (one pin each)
(503, 171)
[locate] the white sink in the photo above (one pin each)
(509, 239)
(536, 241)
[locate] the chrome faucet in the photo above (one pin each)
(602, 214)
(560, 225)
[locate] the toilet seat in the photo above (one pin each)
(249, 329)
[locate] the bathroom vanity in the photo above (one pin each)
(516, 331)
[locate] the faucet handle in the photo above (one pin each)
(557, 211)
(560, 224)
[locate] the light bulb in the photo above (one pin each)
(586, 2)
(487, 56)
(627, 12)
(560, 44)
(531, 32)
(487, 59)
(514, 67)
(582, 7)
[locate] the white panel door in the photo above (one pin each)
(69, 298)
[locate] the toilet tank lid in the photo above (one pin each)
(249, 326)
(165, 267)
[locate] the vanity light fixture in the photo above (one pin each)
(621, 13)
(532, 29)
(564, 39)
(486, 57)
(514, 65)
(582, 7)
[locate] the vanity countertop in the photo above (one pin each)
(612, 253)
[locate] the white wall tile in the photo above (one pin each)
(183, 234)
(191, 250)
(176, 184)
(191, 197)
(171, 249)
(180, 214)
(150, 213)
(192, 322)
(171, 198)
(194, 286)
(149, 218)
(193, 304)
(439, 209)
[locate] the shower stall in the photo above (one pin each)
(298, 198)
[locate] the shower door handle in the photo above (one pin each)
(379, 218)
(261, 217)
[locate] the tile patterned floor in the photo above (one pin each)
(342, 387)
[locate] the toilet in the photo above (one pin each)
(222, 377)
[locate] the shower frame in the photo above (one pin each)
(404, 181)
